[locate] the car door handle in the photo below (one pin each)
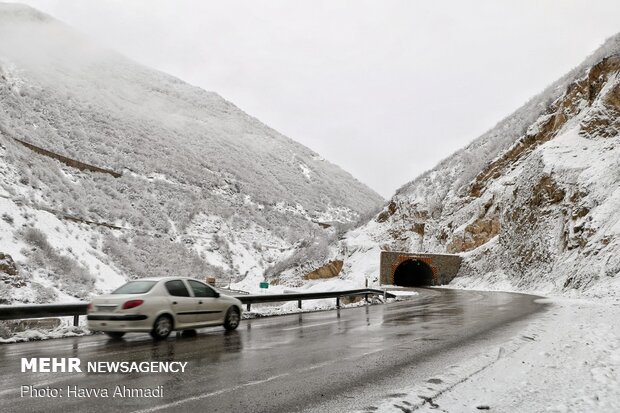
(174, 302)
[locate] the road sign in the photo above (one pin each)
(264, 284)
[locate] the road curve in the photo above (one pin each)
(276, 364)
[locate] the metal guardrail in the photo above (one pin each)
(299, 297)
(19, 312)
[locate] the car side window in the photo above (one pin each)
(200, 289)
(177, 288)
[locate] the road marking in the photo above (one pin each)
(248, 384)
(309, 325)
(215, 393)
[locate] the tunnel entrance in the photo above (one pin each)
(413, 273)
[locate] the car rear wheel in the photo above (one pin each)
(231, 321)
(115, 334)
(162, 327)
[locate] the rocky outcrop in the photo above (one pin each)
(329, 270)
(7, 265)
(601, 121)
(9, 273)
(478, 233)
(387, 213)
(604, 118)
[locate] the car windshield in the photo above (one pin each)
(135, 287)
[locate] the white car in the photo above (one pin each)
(161, 305)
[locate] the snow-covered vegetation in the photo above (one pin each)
(190, 184)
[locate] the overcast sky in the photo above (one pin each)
(385, 89)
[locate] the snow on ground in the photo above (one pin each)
(567, 360)
(265, 310)
(401, 292)
(306, 171)
(66, 329)
(362, 249)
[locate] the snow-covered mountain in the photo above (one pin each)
(110, 170)
(533, 204)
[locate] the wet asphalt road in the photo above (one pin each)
(275, 364)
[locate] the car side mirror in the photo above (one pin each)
(216, 294)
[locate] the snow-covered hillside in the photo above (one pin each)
(110, 170)
(533, 204)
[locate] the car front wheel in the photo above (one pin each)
(162, 327)
(232, 319)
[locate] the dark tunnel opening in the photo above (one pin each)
(413, 273)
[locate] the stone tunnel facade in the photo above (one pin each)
(416, 269)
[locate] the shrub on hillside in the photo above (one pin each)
(7, 218)
(70, 276)
(144, 256)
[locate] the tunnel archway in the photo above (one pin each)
(414, 273)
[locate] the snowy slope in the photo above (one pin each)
(533, 204)
(139, 173)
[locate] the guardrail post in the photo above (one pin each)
(248, 307)
(337, 302)
(366, 297)
(299, 304)
(76, 320)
